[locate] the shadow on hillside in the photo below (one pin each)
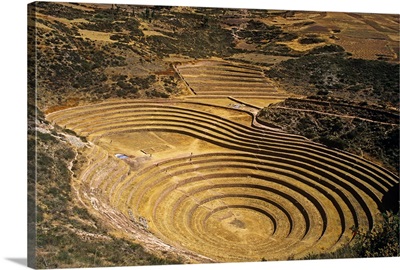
(390, 200)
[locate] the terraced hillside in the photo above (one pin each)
(228, 79)
(208, 183)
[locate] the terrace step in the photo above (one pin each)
(306, 195)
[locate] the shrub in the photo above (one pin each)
(332, 141)
(66, 154)
(124, 85)
(330, 48)
(310, 40)
(156, 94)
(381, 241)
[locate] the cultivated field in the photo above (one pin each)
(227, 79)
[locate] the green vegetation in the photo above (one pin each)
(194, 35)
(280, 49)
(265, 37)
(62, 11)
(71, 66)
(256, 32)
(113, 21)
(351, 103)
(337, 75)
(129, 88)
(360, 130)
(381, 241)
(67, 234)
(71, 63)
(310, 40)
(330, 48)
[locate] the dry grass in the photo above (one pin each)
(370, 49)
(204, 182)
(96, 35)
(79, 6)
(373, 31)
(259, 58)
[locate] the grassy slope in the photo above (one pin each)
(337, 75)
(67, 235)
(334, 76)
(345, 129)
(101, 54)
